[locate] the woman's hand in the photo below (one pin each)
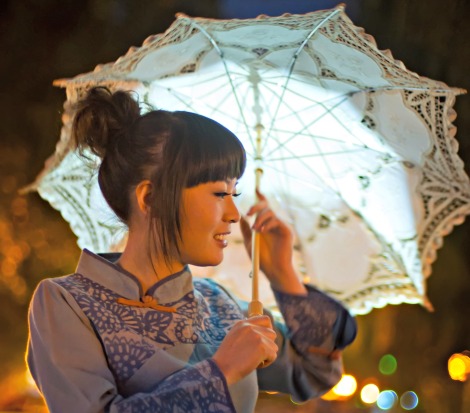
(247, 345)
(276, 246)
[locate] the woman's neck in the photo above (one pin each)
(144, 265)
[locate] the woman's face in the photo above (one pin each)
(208, 210)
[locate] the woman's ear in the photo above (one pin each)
(142, 193)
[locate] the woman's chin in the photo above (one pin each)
(209, 262)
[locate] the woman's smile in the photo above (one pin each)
(222, 239)
(207, 214)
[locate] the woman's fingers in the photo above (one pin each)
(267, 336)
(261, 204)
(275, 244)
(261, 320)
(264, 326)
(265, 219)
(248, 344)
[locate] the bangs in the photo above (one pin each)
(228, 162)
(214, 152)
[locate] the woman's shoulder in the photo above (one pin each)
(53, 291)
(56, 283)
(53, 302)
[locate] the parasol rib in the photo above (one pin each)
(221, 55)
(256, 307)
(357, 150)
(293, 61)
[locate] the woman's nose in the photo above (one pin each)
(231, 211)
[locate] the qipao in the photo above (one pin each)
(98, 343)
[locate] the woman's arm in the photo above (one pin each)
(310, 337)
(316, 329)
(316, 326)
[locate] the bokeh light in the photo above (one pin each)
(387, 399)
(35, 242)
(369, 393)
(459, 367)
(12, 254)
(388, 364)
(409, 400)
(343, 390)
(346, 386)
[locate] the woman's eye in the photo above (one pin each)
(224, 194)
(221, 194)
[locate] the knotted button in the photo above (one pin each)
(146, 301)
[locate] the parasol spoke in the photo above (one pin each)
(226, 71)
(328, 139)
(362, 147)
(294, 60)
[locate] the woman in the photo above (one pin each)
(133, 332)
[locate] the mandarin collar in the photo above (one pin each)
(103, 270)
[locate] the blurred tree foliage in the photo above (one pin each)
(42, 40)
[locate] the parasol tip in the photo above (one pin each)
(427, 305)
(181, 15)
(60, 82)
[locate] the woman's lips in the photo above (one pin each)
(222, 238)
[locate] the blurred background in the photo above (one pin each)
(400, 349)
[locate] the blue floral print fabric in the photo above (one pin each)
(96, 345)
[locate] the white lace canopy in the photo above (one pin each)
(358, 152)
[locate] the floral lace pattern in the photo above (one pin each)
(127, 355)
(131, 335)
(192, 391)
(404, 140)
(310, 319)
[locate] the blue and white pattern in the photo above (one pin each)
(310, 321)
(203, 317)
(193, 391)
(126, 356)
(90, 353)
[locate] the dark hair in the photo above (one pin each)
(174, 150)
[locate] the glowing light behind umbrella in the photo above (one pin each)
(358, 153)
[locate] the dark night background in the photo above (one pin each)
(43, 40)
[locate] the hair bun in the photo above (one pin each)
(103, 119)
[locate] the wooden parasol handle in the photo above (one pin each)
(255, 307)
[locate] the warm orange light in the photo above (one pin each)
(19, 386)
(330, 395)
(459, 366)
(30, 383)
(346, 386)
(343, 390)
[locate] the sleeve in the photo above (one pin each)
(67, 361)
(309, 359)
